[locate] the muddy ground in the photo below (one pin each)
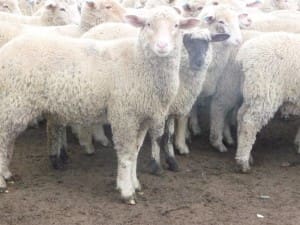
(207, 190)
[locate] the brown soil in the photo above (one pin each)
(207, 190)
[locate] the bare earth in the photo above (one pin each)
(207, 190)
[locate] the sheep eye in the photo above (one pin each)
(221, 22)
(200, 8)
(187, 7)
(5, 6)
(148, 24)
(215, 3)
(62, 9)
(108, 7)
(176, 25)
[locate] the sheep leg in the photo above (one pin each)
(217, 124)
(227, 133)
(14, 118)
(85, 137)
(127, 146)
(297, 140)
(194, 122)
(56, 144)
(168, 145)
(136, 184)
(180, 128)
(251, 118)
(99, 135)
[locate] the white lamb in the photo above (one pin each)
(223, 20)
(54, 13)
(222, 23)
(93, 12)
(186, 97)
(270, 64)
(10, 6)
(83, 87)
(227, 99)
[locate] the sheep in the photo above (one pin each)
(265, 88)
(93, 12)
(74, 90)
(27, 6)
(221, 19)
(271, 5)
(227, 99)
(195, 60)
(191, 78)
(54, 13)
(10, 6)
(193, 8)
(108, 31)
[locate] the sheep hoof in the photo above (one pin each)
(172, 164)
(140, 192)
(244, 165)
(64, 155)
(11, 180)
(183, 150)
(56, 162)
(106, 143)
(89, 153)
(220, 147)
(130, 200)
(3, 190)
(195, 130)
(155, 168)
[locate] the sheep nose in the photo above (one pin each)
(161, 44)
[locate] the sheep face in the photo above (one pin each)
(9, 6)
(101, 11)
(197, 46)
(160, 30)
(61, 12)
(221, 19)
(193, 8)
(284, 4)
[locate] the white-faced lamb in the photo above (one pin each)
(83, 87)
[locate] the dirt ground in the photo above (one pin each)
(207, 190)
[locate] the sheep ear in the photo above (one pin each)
(177, 10)
(254, 3)
(186, 7)
(91, 3)
(51, 5)
(219, 37)
(135, 20)
(244, 19)
(188, 23)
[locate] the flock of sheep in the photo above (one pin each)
(146, 67)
